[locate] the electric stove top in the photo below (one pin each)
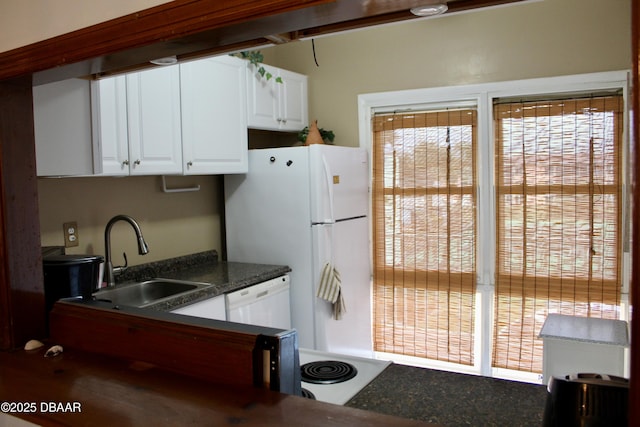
(339, 380)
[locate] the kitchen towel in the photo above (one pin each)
(330, 289)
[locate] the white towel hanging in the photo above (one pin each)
(330, 289)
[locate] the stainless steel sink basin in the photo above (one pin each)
(149, 292)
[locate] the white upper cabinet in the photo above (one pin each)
(137, 117)
(294, 100)
(214, 116)
(186, 119)
(277, 106)
(109, 97)
(154, 122)
(62, 126)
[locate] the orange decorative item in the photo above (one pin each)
(314, 134)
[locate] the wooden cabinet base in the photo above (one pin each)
(216, 351)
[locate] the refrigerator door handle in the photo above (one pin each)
(328, 177)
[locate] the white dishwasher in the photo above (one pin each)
(263, 304)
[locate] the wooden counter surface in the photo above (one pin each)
(110, 391)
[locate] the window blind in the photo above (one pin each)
(558, 213)
(424, 202)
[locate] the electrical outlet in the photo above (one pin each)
(70, 230)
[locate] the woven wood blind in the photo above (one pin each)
(558, 195)
(424, 192)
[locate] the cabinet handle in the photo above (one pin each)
(125, 163)
(137, 162)
(189, 164)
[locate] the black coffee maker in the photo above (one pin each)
(68, 276)
(587, 400)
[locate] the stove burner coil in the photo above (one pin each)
(307, 394)
(327, 372)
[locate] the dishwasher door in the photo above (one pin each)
(265, 304)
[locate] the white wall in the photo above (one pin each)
(173, 224)
(532, 39)
(28, 21)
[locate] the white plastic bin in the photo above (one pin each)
(575, 344)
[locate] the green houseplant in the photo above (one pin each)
(256, 58)
(327, 135)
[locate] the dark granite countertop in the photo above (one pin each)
(452, 399)
(204, 267)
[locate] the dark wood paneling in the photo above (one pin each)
(22, 290)
(216, 351)
(216, 355)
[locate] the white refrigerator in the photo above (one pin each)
(305, 207)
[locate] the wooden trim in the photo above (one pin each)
(21, 281)
(168, 21)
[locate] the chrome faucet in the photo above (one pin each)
(110, 271)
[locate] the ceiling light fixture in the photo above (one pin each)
(430, 9)
(167, 60)
(278, 38)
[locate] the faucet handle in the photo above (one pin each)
(121, 269)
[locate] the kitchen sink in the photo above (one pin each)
(149, 292)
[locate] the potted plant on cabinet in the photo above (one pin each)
(314, 135)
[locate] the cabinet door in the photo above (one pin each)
(294, 114)
(62, 124)
(214, 116)
(277, 106)
(212, 308)
(109, 101)
(263, 100)
(153, 111)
